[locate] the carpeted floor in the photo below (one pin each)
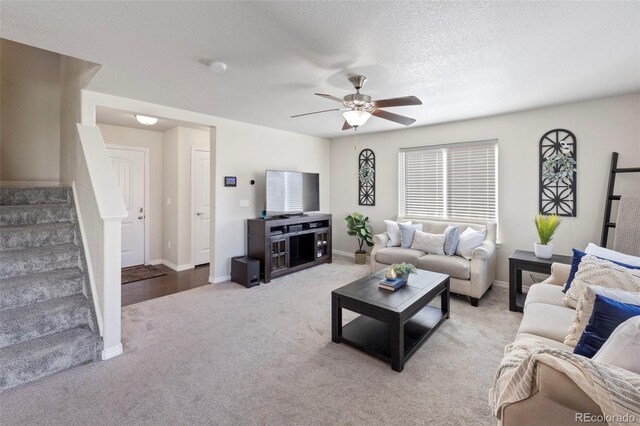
(223, 354)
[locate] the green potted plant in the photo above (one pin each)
(546, 225)
(403, 270)
(358, 226)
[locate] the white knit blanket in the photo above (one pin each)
(627, 235)
(616, 391)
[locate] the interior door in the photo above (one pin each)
(202, 206)
(128, 167)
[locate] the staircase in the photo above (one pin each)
(47, 318)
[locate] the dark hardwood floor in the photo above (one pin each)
(173, 282)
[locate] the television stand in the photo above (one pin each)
(290, 215)
(286, 245)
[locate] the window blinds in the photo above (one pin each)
(450, 182)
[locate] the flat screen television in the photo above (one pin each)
(291, 193)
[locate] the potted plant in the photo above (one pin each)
(546, 225)
(403, 270)
(358, 226)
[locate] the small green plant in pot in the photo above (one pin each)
(358, 226)
(403, 270)
(546, 225)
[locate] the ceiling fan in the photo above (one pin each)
(359, 107)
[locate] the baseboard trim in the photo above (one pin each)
(155, 262)
(29, 183)
(112, 352)
(177, 268)
(501, 284)
(220, 279)
(348, 254)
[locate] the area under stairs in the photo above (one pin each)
(47, 317)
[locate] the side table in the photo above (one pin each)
(522, 260)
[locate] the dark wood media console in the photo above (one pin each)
(286, 245)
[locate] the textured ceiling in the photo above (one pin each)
(462, 59)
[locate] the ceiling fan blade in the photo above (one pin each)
(316, 112)
(333, 98)
(346, 126)
(397, 118)
(395, 102)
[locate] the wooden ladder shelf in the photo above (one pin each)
(606, 222)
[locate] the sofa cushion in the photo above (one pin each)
(389, 255)
(550, 294)
(548, 321)
(454, 266)
(553, 344)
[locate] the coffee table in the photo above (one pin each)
(392, 325)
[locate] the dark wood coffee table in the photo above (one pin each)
(392, 325)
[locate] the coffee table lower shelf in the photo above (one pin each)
(374, 337)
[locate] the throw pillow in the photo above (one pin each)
(393, 231)
(613, 255)
(606, 317)
(406, 233)
(469, 240)
(623, 346)
(429, 243)
(575, 263)
(584, 309)
(452, 237)
(603, 273)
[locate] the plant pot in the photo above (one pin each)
(543, 251)
(404, 277)
(361, 258)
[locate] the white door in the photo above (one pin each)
(202, 206)
(129, 170)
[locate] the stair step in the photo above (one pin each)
(38, 259)
(45, 234)
(37, 195)
(34, 288)
(40, 319)
(28, 361)
(37, 213)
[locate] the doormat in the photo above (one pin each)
(138, 273)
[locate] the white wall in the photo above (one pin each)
(601, 126)
(246, 151)
(30, 113)
(153, 141)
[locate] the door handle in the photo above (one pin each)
(199, 213)
(140, 217)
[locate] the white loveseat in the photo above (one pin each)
(467, 277)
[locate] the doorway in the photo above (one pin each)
(201, 205)
(130, 168)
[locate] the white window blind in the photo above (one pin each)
(456, 181)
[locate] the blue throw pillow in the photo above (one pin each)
(575, 263)
(407, 231)
(452, 237)
(606, 316)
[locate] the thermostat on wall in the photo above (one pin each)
(230, 181)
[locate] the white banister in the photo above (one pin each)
(102, 209)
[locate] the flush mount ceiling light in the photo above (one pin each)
(218, 67)
(147, 121)
(356, 117)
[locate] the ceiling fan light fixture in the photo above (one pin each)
(147, 121)
(356, 118)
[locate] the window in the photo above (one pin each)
(457, 181)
